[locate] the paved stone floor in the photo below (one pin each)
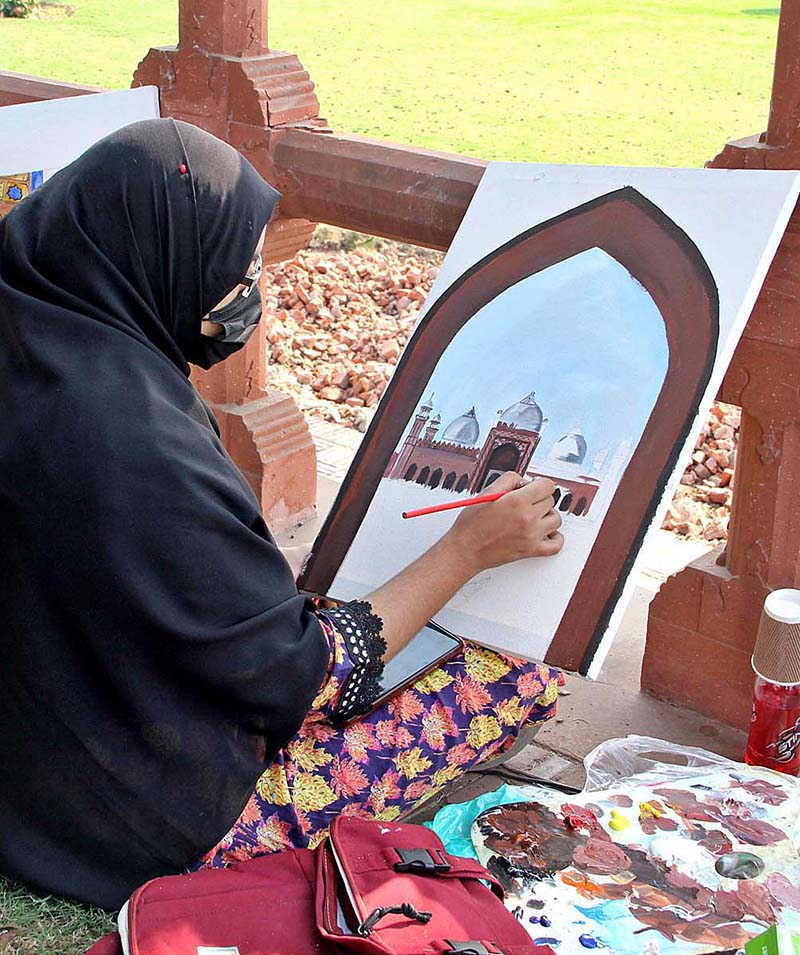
(589, 711)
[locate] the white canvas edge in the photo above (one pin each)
(588, 176)
(50, 134)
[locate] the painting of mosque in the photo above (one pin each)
(461, 462)
(578, 330)
(493, 401)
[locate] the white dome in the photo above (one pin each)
(463, 430)
(571, 448)
(524, 414)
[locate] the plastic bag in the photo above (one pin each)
(651, 761)
(452, 823)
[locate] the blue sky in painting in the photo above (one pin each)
(583, 334)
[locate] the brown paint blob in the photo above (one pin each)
(601, 857)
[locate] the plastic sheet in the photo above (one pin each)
(651, 761)
(662, 879)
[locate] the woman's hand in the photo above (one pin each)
(521, 524)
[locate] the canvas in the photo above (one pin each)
(578, 330)
(38, 139)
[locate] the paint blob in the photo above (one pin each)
(739, 865)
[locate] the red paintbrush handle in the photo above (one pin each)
(483, 499)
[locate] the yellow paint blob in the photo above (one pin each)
(618, 822)
(648, 809)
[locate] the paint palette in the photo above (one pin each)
(697, 866)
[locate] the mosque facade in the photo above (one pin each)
(457, 462)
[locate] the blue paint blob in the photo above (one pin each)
(589, 941)
(534, 920)
(15, 193)
(545, 922)
(555, 942)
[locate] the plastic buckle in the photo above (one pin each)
(420, 860)
(469, 948)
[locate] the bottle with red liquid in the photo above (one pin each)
(774, 739)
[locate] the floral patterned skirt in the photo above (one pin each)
(387, 763)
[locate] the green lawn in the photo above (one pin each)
(658, 82)
(30, 925)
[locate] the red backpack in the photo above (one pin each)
(372, 887)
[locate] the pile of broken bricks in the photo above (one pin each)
(336, 322)
(701, 508)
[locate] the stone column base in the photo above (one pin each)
(269, 440)
(700, 635)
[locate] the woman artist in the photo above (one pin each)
(169, 699)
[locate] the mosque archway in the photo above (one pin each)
(556, 496)
(449, 481)
(424, 474)
(409, 475)
(436, 478)
(580, 507)
(566, 502)
(639, 238)
(503, 458)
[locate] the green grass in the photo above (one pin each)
(654, 82)
(43, 926)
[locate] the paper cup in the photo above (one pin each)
(776, 656)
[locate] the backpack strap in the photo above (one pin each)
(434, 863)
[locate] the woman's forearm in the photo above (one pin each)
(409, 600)
(521, 524)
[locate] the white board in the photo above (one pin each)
(734, 218)
(50, 134)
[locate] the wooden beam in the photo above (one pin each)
(399, 192)
(16, 88)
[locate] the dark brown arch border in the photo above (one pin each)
(663, 258)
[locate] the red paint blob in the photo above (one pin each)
(182, 169)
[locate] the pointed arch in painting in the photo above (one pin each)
(665, 261)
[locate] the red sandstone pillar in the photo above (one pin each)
(223, 77)
(703, 622)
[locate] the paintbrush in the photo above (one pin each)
(436, 508)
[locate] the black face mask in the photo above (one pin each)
(238, 319)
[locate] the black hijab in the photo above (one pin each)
(155, 652)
